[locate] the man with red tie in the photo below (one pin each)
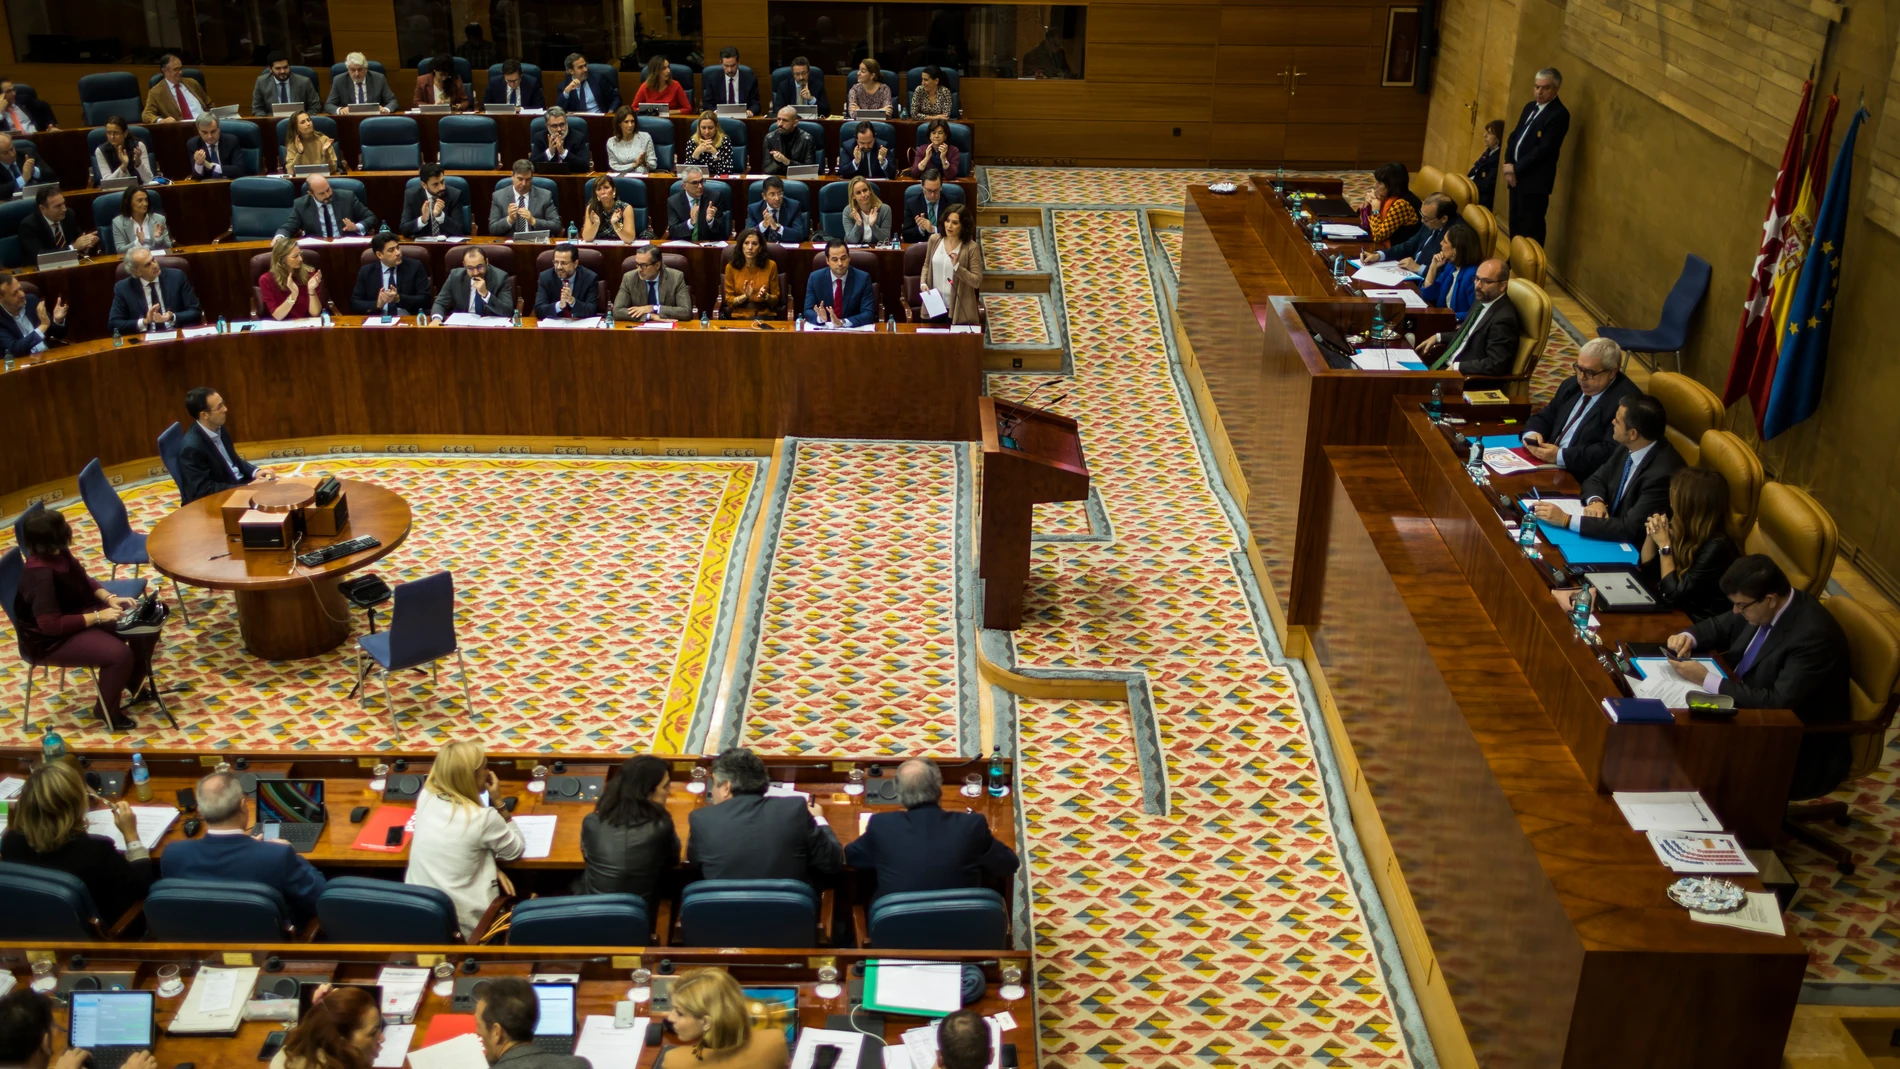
(841, 296)
(174, 97)
(22, 111)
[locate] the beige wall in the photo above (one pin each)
(1640, 186)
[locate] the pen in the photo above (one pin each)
(1535, 494)
(226, 553)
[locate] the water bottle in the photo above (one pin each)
(1380, 331)
(890, 323)
(323, 318)
(1436, 409)
(1474, 462)
(9, 363)
(141, 778)
(224, 327)
(422, 319)
(998, 785)
(1580, 609)
(1279, 180)
(573, 232)
(387, 315)
(607, 319)
(705, 319)
(384, 229)
(1527, 536)
(118, 340)
(52, 747)
(515, 319)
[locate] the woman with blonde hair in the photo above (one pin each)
(867, 219)
(708, 146)
(461, 831)
(290, 289)
(304, 146)
(1685, 552)
(48, 829)
(714, 1027)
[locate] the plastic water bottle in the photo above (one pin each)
(515, 319)
(384, 229)
(1279, 180)
(224, 327)
(607, 319)
(9, 363)
(573, 232)
(141, 778)
(1436, 409)
(999, 786)
(118, 340)
(52, 747)
(1474, 462)
(324, 317)
(422, 319)
(705, 319)
(890, 323)
(1527, 536)
(387, 315)
(1580, 609)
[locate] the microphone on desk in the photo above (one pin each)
(1023, 414)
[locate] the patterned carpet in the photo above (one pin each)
(1016, 319)
(1010, 249)
(587, 600)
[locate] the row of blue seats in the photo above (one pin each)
(104, 95)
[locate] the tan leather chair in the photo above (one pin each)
(1427, 179)
(1460, 189)
(1793, 529)
(1533, 307)
(1729, 456)
(1692, 409)
(1527, 259)
(1479, 218)
(1873, 654)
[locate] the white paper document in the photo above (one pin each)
(1666, 811)
(537, 833)
(607, 1047)
(1570, 505)
(199, 332)
(462, 1052)
(920, 1045)
(402, 992)
(1410, 297)
(470, 319)
(785, 790)
(1383, 274)
(1344, 231)
(849, 1045)
(11, 787)
(396, 1040)
(266, 326)
(932, 988)
(933, 304)
(590, 323)
(378, 321)
(1761, 913)
(1700, 853)
(153, 822)
(806, 324)
(1505, 462)
(162, 335)
(1663, 684)
(213, 1004)
(1384, 359)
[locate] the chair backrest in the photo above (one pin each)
(103, 503)
(105, 209)
(965, 141)
(170, 441)
(1427, 179)
(683, 77)
(462, 69)
(914, 77)
(176, 263)
(576, 126)
(735, 136)
(1480, 219)
(357, 910)
(12, 214)
(352, 186)
(470, 142)
(455, 181)
(258, 205)
(633, 192)
(422, 622)
(717, 72)
(1727, 455)
(1534, 312)
(499, 254)
(342, 70)
(529, 69)
(216, 911)
(794, 190)
(617, 920)
(1873, 659)
(96, 137)
(848, 135)
(309, 72)
(1691, 408)
(418, 253)
(1793, 529)
(833, 199)
(45, 904)
(748, 913)
(973, 918)
(322, 124)
(661, 131)
(720, 192)
(539, 181)
(612, 74)
(914, 194)
(1684, 296)
(390, 143)
(1527, 259)
(101, 96)
(250, 142)
(1460, 189)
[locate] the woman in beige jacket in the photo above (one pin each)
(953, 266)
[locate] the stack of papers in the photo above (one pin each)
(470, 319)
(402, 993)
(1666, 811)
(590, 323)
(1385, 274)
(1700, 853)
(1387, 360)
(538, 834)
(396, 1040)
(1410, 297)
(1344, 231)
(607, 1047)
(215, 1002)
(462, 1052)
(1659, 681)
(11, 787)
(153, 822)
(265, 326)
(1761, 913)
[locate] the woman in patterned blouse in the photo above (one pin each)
(1392, 213)
(708, 147)
(870, 93)
(931, 98)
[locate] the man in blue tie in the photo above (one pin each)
(1632, 485)
(26, 327)
(584, 92)
(207, 462)
(19, 169)
(1787, 652)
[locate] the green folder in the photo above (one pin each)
(885, 996)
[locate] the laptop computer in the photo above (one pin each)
(362, 109)
(292, 810)
(554, 1029)
(802, 170)
(1332, 344)
(227, 111)
(729, 111)
(279, 111)
(491, 108)
(113, 1025)
(806, 111)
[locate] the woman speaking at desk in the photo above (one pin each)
(289, 290)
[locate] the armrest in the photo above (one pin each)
(484, 927)
(860, 927)
(663, 923)
(119, 926)
(1879, 725)
(310, 931)
(221, 238)
(827, 900)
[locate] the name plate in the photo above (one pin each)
(539, 237)
(310, 168)
(362, 109)
(729, 111)
(436, 109)
(62, 258)
(118, 183)
(291, 108)
(502, 109)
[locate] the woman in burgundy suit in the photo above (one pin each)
(441, 85)
(936, 152)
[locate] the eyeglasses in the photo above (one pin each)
(1741, 605)
(1588, 373)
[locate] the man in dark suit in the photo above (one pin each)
(924, 205)
(226, 850)
(327, 212)
(151, 296)
(477, 287)
(586, 92)
(1786, 652)
(207, 461)
(841, 295)
(214, 153)
(744, 835)
(280, 85)
(360, 84)
(514, 87)
(1632, 485)
(22, 112)
(1530, 155)
(1486, 342)
(1435, 215)
(924, 848)
(788, 145)
(391, 281)
(693, 214)
(20, 168)
(776, 216)
(50, 230)
(1573, 430)
(567, 290)
(25, 325)
(433, 208)
(559, 147)
(801, 85)
(506, 1015)
(729, 83)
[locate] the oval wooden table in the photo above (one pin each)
(286, 612)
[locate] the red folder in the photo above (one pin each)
(446, 1026)
(1531, 458)
(375, 833)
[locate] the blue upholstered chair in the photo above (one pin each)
(258, 206)
(390, 143)
(322, 124)
(749, 913)
(47, 905)
(617, 920)
(217, 911)
(421, 631)
(462, 69)
(170, 442)
(1671, 333)
(101, 96)
(633, 192)
(973, 918)
(470, 142)
(456, 181)
(661, 131)
(353, 909)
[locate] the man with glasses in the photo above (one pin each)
(1631, 486)
(1573, 430)
(1784, 651)
(693, 214)
(327, 212)
(174, 97)
(19, 169)
(560, 146)
(652, 291)
(1486, 342)
(281, 85)
(151, 296)
(359, 85)
(22, 111)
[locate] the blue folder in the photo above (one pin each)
(1580, 550)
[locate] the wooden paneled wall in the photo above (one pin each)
(1182, 83)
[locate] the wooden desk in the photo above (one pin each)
(686, 382)
(1544, 912)
(286, 611)
(604, 980)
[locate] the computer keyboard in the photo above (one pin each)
(111, 1057)
(302, 838)
(337, 549)
(555, 1044)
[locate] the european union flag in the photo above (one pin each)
(1803, 364)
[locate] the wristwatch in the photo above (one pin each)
(1664, 550)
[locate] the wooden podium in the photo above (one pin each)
(1041, 462)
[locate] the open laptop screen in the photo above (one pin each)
(557, 1009)
(290, 801)
(110, 1019)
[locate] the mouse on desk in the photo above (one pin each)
(357, 814)
(191, 827)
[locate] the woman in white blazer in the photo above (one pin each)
(458, 838)
(137, 226)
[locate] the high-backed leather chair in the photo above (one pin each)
(1793, 529)
(1692, 409)
(471, 142)
(216, 911)
(390, 143)
(633, 193)
(749, 913)
(1727, 455)
(1533, 331)
(101, 96)
(48, 905)
(1479, 218)
(1873, 655)
(1460, 189)
(358, 910)
(1527, 259)
(617, 920)
(1428, 179)
(967, 918)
